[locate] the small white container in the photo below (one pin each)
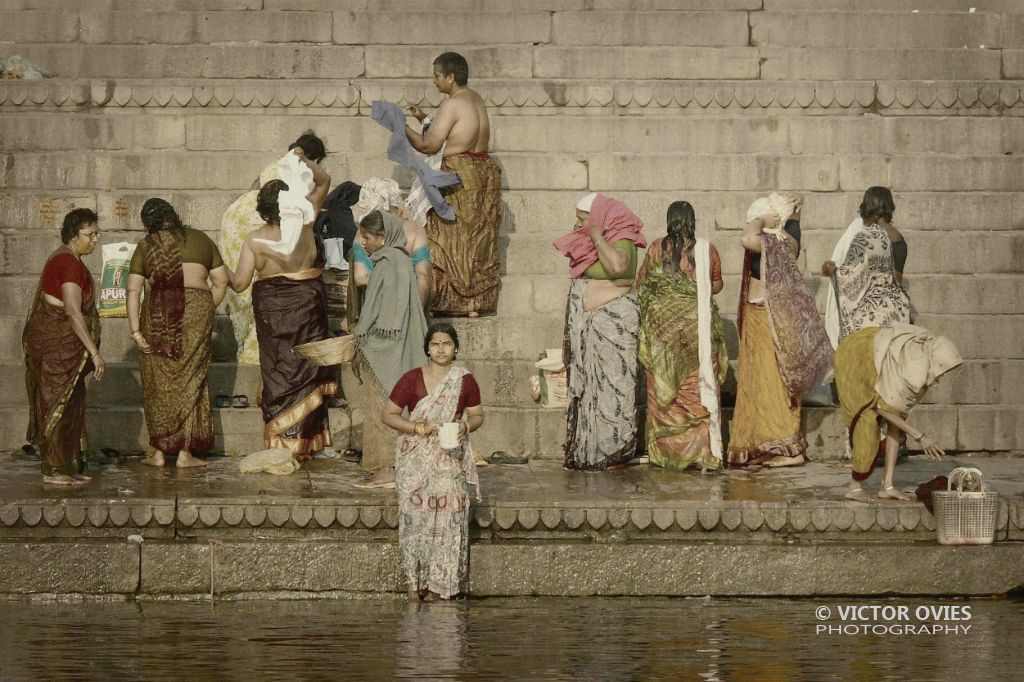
(448, 435)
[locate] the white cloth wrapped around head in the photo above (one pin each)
(779, 204)
(377, 194)
(586, 202)
(293, 206)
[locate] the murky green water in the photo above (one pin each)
(557, 639)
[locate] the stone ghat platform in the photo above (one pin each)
(137, 532)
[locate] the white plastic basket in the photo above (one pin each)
(965, 517)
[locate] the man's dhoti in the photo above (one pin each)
(467, 272)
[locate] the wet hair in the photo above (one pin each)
(311, 145)
(877, 204)
(679, 235)
(158, 215)
(266, 200)
(75, 220)
(443, 328)
(453, 64)
(373, 222)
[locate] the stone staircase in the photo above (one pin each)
(714, 101)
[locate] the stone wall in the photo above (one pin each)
(713, 101)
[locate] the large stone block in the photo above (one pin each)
(198, 61)
(413, 62)
(433, 28)
(722, 172)
(990, 428)
(102, 170)
(147, 5)
(69, 567)
(879, 63)
(273, 134)
(190, 28)
(270, 567)
(895, 5)
(645, 62)
(715, 29)
(980, 382)
(876, 29)
(640, 135)
(970, 294)
(933, 173)
(533, 255)
(512, 429)
(536, 171)
(906, 135)
(695, 569)
(32, 26)
(204, 210)
(980, 336)
(1013, 63)
(654, 5)
(458, 6)
(40, 210)
(57, 132)
(309, 5)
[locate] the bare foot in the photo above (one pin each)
(155, 460)
(857, 495)
(413, 595)
(474, 314)
(890, 493)
(187, 461)
(782, 461)
(81, 477)
(760, 459)
(62, 480)
(431, 597)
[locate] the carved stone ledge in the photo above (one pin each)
(359, 94)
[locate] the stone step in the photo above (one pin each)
(857, 28)
(893, 5)
(540, 432)
(550, 214)
(172, 27)
(503, 383)
(235, 171)
(304, 61)
(611, 172)
(526, 95)
(759, 132)
(533, 431)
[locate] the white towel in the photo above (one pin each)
(831, 304)
(708, 379)
(295, 209)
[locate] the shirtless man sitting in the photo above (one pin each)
(467, 273)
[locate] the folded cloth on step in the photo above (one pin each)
(402, 152)
(271, 461)
(293, 206)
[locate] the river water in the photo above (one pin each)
(518, 639)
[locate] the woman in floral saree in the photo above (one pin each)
(61, 343)
(682, 345)
(434, 484)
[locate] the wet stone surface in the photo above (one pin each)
(538, 499)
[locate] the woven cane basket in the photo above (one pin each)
(333, 351)
(965, 517)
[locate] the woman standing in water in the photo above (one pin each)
(434, 483)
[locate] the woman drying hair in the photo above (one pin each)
(682, 345)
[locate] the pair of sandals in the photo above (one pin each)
(224, 401)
